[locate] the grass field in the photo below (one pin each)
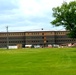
(41, 61)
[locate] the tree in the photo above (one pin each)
(65, 15)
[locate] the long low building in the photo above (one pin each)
(42, 38)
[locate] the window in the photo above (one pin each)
(47, 41)
(42, 33)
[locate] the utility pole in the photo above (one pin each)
(7, 37)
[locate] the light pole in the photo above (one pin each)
(7, 37)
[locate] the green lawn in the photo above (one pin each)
(40, 61)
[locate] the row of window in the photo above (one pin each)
(12, 34)
(60, 33)
(37, 37)
(34, 41)
(33, 33)
(65, 40)
(30, 37)
(12, 42)
(40, 41)
(36, 33)
(19, 41)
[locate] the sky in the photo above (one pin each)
(28, 15)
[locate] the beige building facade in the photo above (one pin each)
(42, 38)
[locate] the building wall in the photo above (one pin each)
(14, 38)
(48, 37)
(43, 38)
(40, 38)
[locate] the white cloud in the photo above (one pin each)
(35, 7)
(27, 14)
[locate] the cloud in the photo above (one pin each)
(27, 14)
(7, 5)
